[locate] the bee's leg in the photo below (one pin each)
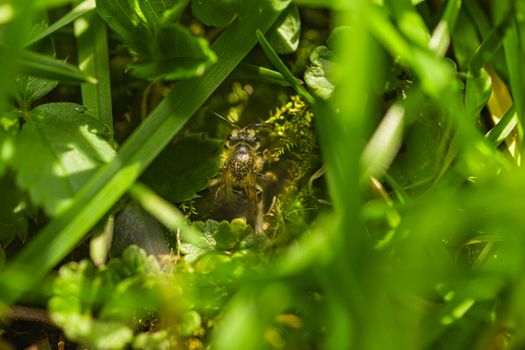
(214, 182)
(268, 176)
(252, 206)
(255, 213)
(272, 205)
(259, 219)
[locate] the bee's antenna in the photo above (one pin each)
(223, 118)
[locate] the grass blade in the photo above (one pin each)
(514, 60)
(250, 71)
(281, 67)
(436, 75)
(94, 60)
(478, 16)
(384, 144)
(503, 129)
(165, 212)
(440, 39)
(332, 4)
(50, 68)
(488, 47)
(409, 22)
(83, 8)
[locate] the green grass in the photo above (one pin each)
(409, 234)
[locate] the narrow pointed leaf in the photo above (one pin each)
(46, 67)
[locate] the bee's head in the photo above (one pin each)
(244, 137)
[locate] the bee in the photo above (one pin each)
(242, 165)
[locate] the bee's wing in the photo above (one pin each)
(225, 190)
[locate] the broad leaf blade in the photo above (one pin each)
(134, 226)
(66, 146)
(123, 17)
(317, 76)
(13, 222)
(215, 13)
(153, 10)
(183, 168)
(285, 33)
(165, 50)
(177, 55)
(29, 88)
(466, 39)
(477, 92)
